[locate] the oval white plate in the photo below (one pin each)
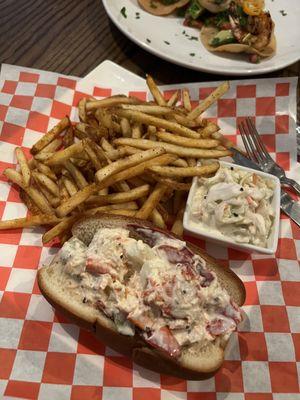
(167, 38)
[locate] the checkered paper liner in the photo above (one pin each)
(43, 356)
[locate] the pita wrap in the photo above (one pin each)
(157, 8)
(209, 32)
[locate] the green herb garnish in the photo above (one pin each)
(123, 12)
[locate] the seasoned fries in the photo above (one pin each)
(51, 135)
(173, 148)
(187, 142)
(125, 156)
(177, 172)
(128, 162)
(158, 97)
(151, 202)
(206, 103)
(24, 166)
(143, 118)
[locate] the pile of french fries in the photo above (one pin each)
(125, 156)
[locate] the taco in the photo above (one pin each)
(240, 29)
(162, 7)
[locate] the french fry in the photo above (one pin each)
(187, 142)
(171, 183)
(59, 229)
(148, 109)
(209, 130)
(172, 148)
(53, 146)
(178, 200)
(81, 109)
(186, 100)
(29, 203)
(173, 99)
(44, 169)
(49, 136)
(125, 213)
(45, 181)
(130, 205)
(125, 127)
(80, 197)
(70, 186)
(180, 162)
(29, 222)
(110, 102)
(177, 172)
(177, 227)
(183, 120)
(227, 143)
(153, 199)
(89, 149)
(76, 175)
(136, 170)
(42, 157)
(156, 93)
(115, 198)
(136, 131)
(151, 131)
(63, 193)
(143, 118)
(22, 160)
(106, 146)
(157, 219)
(61, 156)
(52, 200)
(40, 200)
(209, 100)
(127, 162)
(167, 217)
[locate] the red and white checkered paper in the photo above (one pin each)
(43, 356)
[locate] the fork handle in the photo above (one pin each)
(293, 184)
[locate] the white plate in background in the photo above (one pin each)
(164, 37)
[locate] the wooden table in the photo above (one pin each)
(74, 36)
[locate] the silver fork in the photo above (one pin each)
(258, 153)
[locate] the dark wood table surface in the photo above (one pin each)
(74, 36)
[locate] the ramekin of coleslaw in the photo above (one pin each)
(237, 207)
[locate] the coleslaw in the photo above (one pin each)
(236, 204)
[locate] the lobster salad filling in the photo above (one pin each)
(154, 286)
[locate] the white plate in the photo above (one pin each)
(143, 27)
(116, 76)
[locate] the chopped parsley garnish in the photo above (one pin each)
(123, 12)
(283, 13)
(148, 40)
(193, 38)
(192, 54)
(168, 43)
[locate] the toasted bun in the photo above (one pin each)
(195, 363)
(161, 9)
(209, 32)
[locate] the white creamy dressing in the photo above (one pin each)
(164, 292)
(235, 204)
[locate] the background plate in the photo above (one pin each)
(167, 38)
